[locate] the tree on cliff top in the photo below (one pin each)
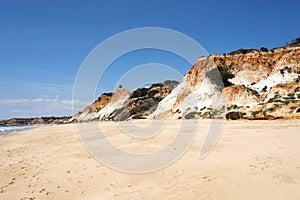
(294, 42)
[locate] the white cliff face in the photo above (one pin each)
(184, 99)
(111, 107)
(116, 102)
(275, 78)
(104, 112)
(206, 94)
(169, 101)
(200, 89)
(85, 116)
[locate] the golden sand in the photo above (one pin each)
(252, 160)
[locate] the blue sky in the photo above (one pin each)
(43, 42)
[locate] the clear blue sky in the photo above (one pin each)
(43, 43)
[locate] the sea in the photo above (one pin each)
(6, 129)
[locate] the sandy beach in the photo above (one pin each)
(252, 160)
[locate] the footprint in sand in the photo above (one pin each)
(206, 178)
(42, 190)
(284, 179)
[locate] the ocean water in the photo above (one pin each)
(4, 130)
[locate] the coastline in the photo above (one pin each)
(252, 160)
(11, 129)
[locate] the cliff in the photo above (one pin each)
(254, 85)
(37, 120)
(123, 105)
(249, 84)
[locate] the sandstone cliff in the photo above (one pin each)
(250, 84)
(123, 105)
(254, 85)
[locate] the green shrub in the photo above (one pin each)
(138, 117)
(152, 93)
(254, 113)
(235, 106)
(294, 42)
(144, 106)
(272, 109)
(141, 92)
(108, 94)
(192, 115)
(264, 49)
(225, 74)
(171, 83)
(242, 51)
(234, 115)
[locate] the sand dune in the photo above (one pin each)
(252, 160)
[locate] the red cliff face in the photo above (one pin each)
(100, 103)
